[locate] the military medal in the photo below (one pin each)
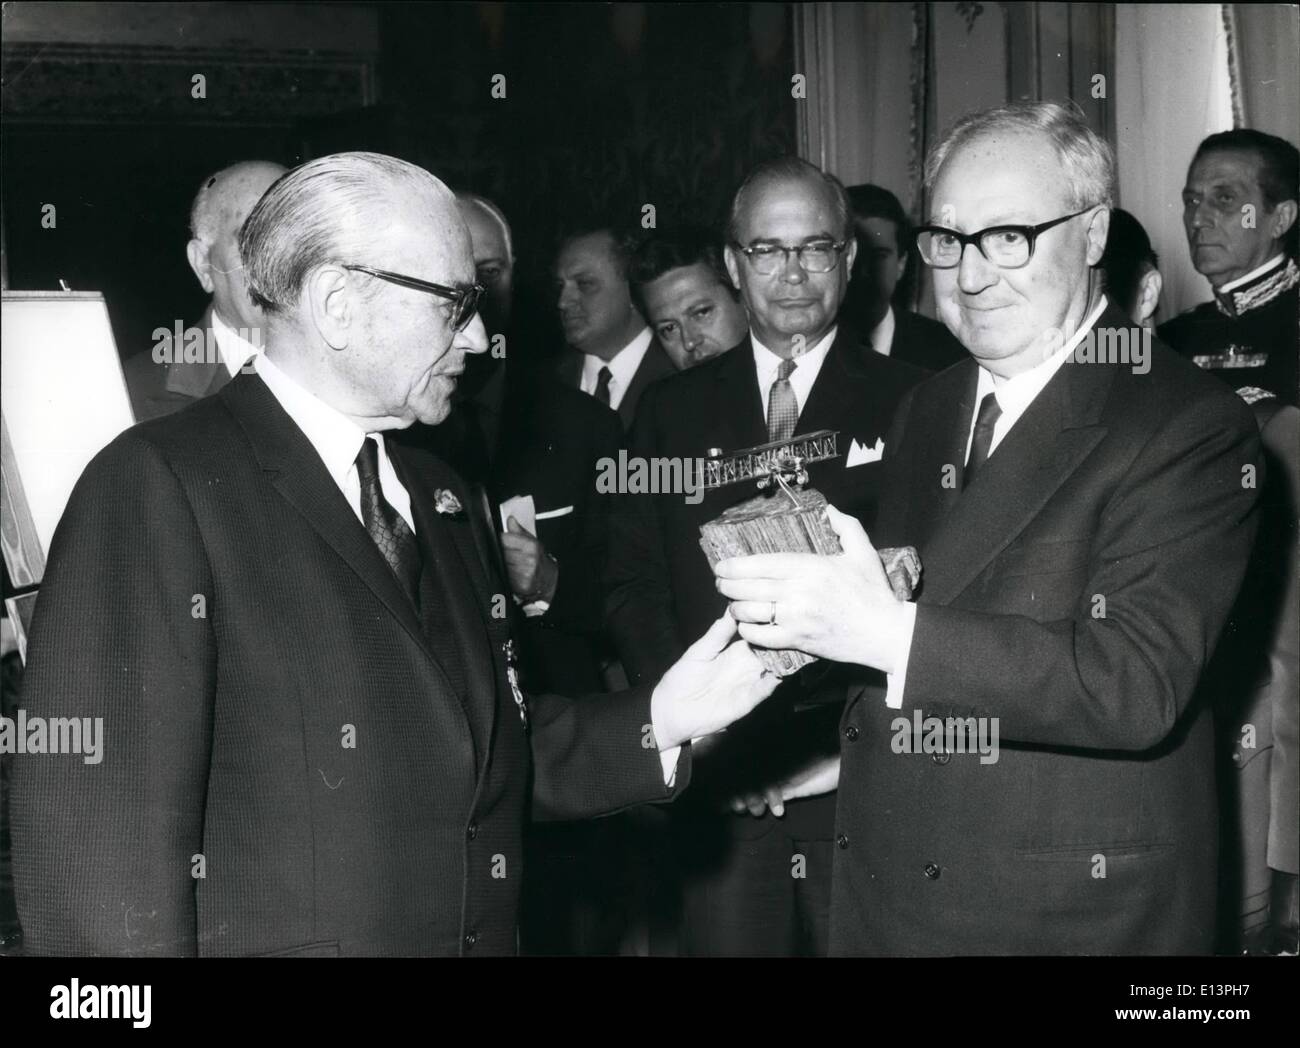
(512, 675)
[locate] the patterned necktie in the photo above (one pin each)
(602, 385)
(393, 536)
(982, 441)
(782, 407)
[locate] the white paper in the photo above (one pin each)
(522, 508)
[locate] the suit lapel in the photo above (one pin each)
(200, 378)
(740, 405)
(460, 571)
(1048, 443)
(654, 365)
(832, 395)
(297, 472)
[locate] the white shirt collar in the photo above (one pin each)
(882, 335)
(809, 365)
(1272, 263)
(234, 348)
(622, 367)
(1016, 393)
(336, 438)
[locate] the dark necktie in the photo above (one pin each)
(782, 407)
(602, 385)
(393, 536)
(982, 440)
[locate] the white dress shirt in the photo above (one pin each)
(803, 376)
(1014, 394)
(1232, 285)
(882, 335)
(235, 350)
(622, 368)
(337, 440)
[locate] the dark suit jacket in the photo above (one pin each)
(158, 387)
(656, 364)
(549, 439)
(1094, 832)
(661, 591)
(273, 703)
(925, 343)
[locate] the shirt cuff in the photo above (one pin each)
(897, 680)
(668, 758)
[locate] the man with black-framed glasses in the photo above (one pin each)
(1083, 525)
(289, 627)
(790, 246)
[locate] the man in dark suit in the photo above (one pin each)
(878, 299)
(1083, 527)
(1239, 210)
(313, 739)
(613, 355)
(176, 371)
(755, 886)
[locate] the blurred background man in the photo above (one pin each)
(1130, 269)
(878, 303)
(681, 288)
(613, 355)
(1239, 210)
(232, 323)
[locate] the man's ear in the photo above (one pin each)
(1148, 301)
(1284, 216)
(902, 266)
(331, 295)
(850, 254)
(196, 251)
(733, 265)
(1098, 231)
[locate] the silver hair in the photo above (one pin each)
(793, 169)
(202, 210)
(326, 210)
(496, 214)
(1087, 158)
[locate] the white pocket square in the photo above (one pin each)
(861, 454)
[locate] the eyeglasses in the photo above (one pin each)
(464, 300)
(1008, 247)
(820, 256)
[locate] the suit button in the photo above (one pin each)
(472, 832)
(932, 871)
(941, 758)
(470, 940)
(851, 733)
(842, 841)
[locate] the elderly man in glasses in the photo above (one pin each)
(1038, 776)
(756, 884)
(313, 738)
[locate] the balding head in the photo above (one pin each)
(494, 256)
(380, 351)
(220, 206)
